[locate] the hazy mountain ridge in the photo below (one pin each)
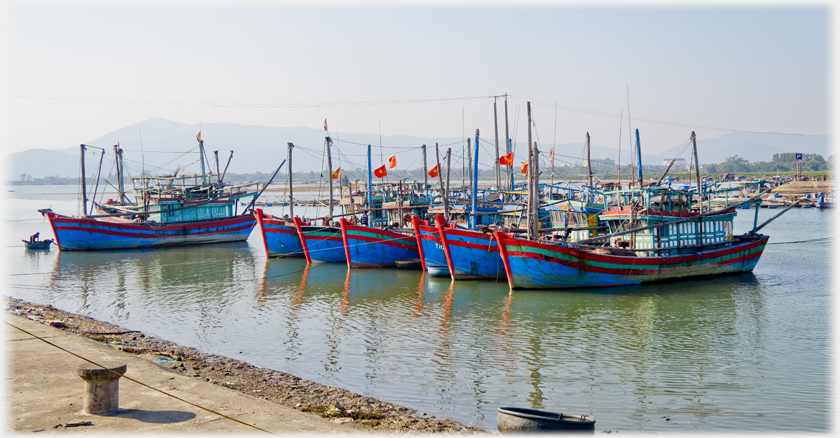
(165, 145)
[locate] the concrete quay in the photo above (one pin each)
(44, 393)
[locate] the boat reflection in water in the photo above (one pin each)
(459, 350)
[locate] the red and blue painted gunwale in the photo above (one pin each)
(321, 244)
(367, 247)
(430, 248)
(538, 265)
(470, 255)
(279, 238)
(86, 234)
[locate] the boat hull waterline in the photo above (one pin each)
(536, 265)
(431, 251)
(321, 244)
(470, 255)
(280, 239)
(84, 234)
(367, 247)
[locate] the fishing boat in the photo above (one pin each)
(824, 202)
(382, 241)
(367, 247)
(429, 247)
(38, 244)
(279, 234)
(655, 237)
(169, 211)
(322, 243)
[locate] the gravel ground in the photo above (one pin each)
(362, 412)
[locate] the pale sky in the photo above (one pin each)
(74, 73)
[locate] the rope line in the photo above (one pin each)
(136, 381)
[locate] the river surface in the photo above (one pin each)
(745, 353)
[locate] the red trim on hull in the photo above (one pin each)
(415, 221)
(440, 221)
(258, 213)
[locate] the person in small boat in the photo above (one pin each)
(35, 237)
(364, 219)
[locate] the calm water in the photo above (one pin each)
(743, 353)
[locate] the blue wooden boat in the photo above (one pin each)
(321, 243)
(655, 236)
(280, 238)
(469, 255)
(169, 211)
(367, 247)
(84, 234)
(432, 256)
(38, 244)
(822, 203)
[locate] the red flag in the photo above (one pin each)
(380, 172)
(525, 168)
(506, 159)
(552, 155)
(434, 172)
(198, 137)
(336, 174)
(325, 124)
(392, 162)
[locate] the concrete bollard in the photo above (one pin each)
(102, 387)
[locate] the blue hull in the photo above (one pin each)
(474, 255)
(434, 259)
(321, 244)
(81, 234)
(373, 248)
(280, 239)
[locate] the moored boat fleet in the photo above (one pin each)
(545, 236)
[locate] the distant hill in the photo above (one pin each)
(167, 145)
(752, 147)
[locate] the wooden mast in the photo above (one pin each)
(446, 196)
(120, 186)
(291, 186)
(496, 125)
(327, 142)
(84, 184)
(532, 234)
(697, 171)
(425, 175)
(474, 176)
(440, 180)
(588, 169)
(508, 179)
